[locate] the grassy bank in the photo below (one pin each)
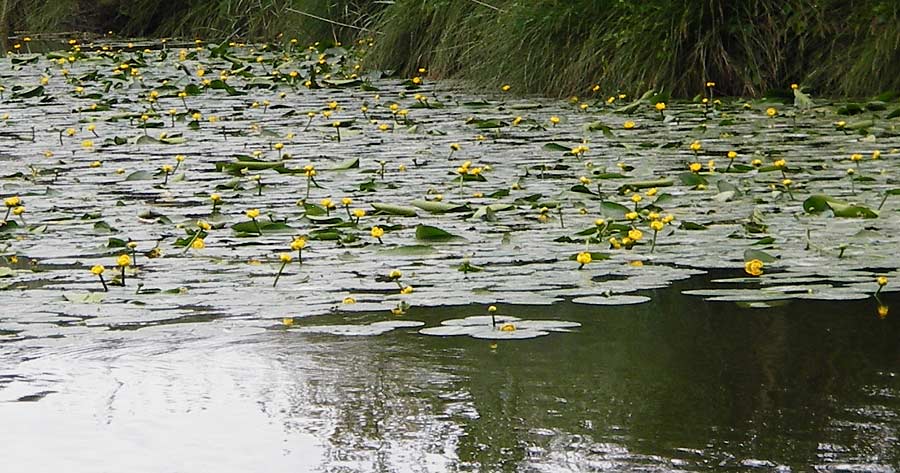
(556, 47)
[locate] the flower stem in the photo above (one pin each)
(277, 276)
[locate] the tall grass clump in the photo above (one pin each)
(563, 47)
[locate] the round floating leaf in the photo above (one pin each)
(429, 233)
(618, 299)
(439, 207)
(375, 328)
(394, 209)
(84, 297)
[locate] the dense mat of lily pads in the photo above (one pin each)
(198, 181)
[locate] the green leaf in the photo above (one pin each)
(235, 167)
(751, 254)
(429, 233)
(342, 82)
(820, 202)
(264, 227)
(486, 211)
(395, 209)
(556, 147)
(103, 227)
(35, 92)
(692, 179)
(638, 185)
(488, 123)
(439, 207)
(84, 297)
(594, 256)
(139, 176)
(612, 209)
(8, 226)
(351, 163)
(222, 85)
(692, 226)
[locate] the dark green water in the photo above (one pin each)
(675, 384)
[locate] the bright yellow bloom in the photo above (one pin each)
(198, 244)
(660, 106)
(215, 197)
(635, 234)
(454, 146)
(395, 274)
(359, 213)
(505, 88)
(298, 244)
(507, 328)
(167, 168)
(732, 154)
(583, 258)
(882, 311)
(327, 203)
(287, 321)
(285, 258)
(856, 157)
(696, 146)
(377, 232)
(628, 125)
(204, 225)
(98, 269)
(492, 309)
(252, 213)
(123, 261)
(882, 281)
(554, 120)
(346, 201)
(695, 167)
(780, 163)
(12, 201)
(406, 290)
(656, 225)
(631, 215)
(771, 111)
(349, 300)
(753, 267)
(651, 192)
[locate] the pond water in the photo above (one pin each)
(662, 304)
(649, 387)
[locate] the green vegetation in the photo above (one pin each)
(549, 46)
